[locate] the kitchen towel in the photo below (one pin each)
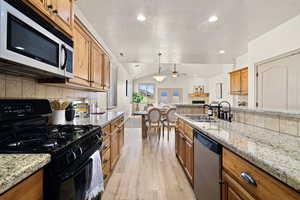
(97, 182)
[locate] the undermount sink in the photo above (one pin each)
(201, 118)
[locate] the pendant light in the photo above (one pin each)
(174, 73)
(159, 77)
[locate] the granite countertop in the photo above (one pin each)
(97, 120)
(16, 167)
(276, 153)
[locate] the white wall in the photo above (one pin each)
(241, 62)
(280, 40)
(185, 82)
(224, 79)
(124, 102)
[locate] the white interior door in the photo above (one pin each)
(278, 84)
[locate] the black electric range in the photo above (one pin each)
(24, 128)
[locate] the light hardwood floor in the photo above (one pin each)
(148, 170)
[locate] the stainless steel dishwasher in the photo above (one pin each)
(207, 167)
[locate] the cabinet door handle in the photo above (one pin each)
(248, 179)
(50, 7)
(55, 11)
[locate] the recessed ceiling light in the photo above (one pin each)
(213, 19)
(141, 17)
(221, 52)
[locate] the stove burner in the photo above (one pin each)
(50, 144)
(43, 138)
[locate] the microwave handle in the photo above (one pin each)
(65, 61)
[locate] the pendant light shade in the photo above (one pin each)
(174, 73)
(159, 77)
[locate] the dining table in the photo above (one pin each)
(143, 115)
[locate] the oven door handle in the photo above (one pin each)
(74, 171)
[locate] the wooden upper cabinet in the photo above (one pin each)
(244, 81)
(97, 62)
(64, 10)
(239, 82)
(58, 12)
(235, 82)
(82, 42)
(106, 73)
(41, 5)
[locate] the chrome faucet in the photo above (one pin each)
(222, 114)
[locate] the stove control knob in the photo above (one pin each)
(74, 155)
(80, 150)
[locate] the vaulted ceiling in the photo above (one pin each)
(180, 29)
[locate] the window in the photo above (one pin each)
(169, 95)
(147, 90)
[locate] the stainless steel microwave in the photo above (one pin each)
(30, 45)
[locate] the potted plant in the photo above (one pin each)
(137, 98)
(70, 112)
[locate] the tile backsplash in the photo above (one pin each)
(275, 122)
(21, 87)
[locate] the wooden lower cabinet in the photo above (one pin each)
(114, 148)
(177, 141)
(185, 150)
(189, 159)
(231, 190)
(121, 138)
(181, 154)
(236, 187)
(30, 188)
(113, 143)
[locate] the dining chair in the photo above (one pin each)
(170, 121)
(154, 120)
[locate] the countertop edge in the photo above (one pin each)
(273, 171)
(23, 174)
(120, 114)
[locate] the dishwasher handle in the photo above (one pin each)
(207, 142)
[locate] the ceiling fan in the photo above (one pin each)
(175, 73)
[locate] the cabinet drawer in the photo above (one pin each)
(114, 126)
(106, 144)
(266, 186)
(106, 130)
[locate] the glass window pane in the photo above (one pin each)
(176, 93)
(164, 93)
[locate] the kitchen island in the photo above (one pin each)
(275, 153)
